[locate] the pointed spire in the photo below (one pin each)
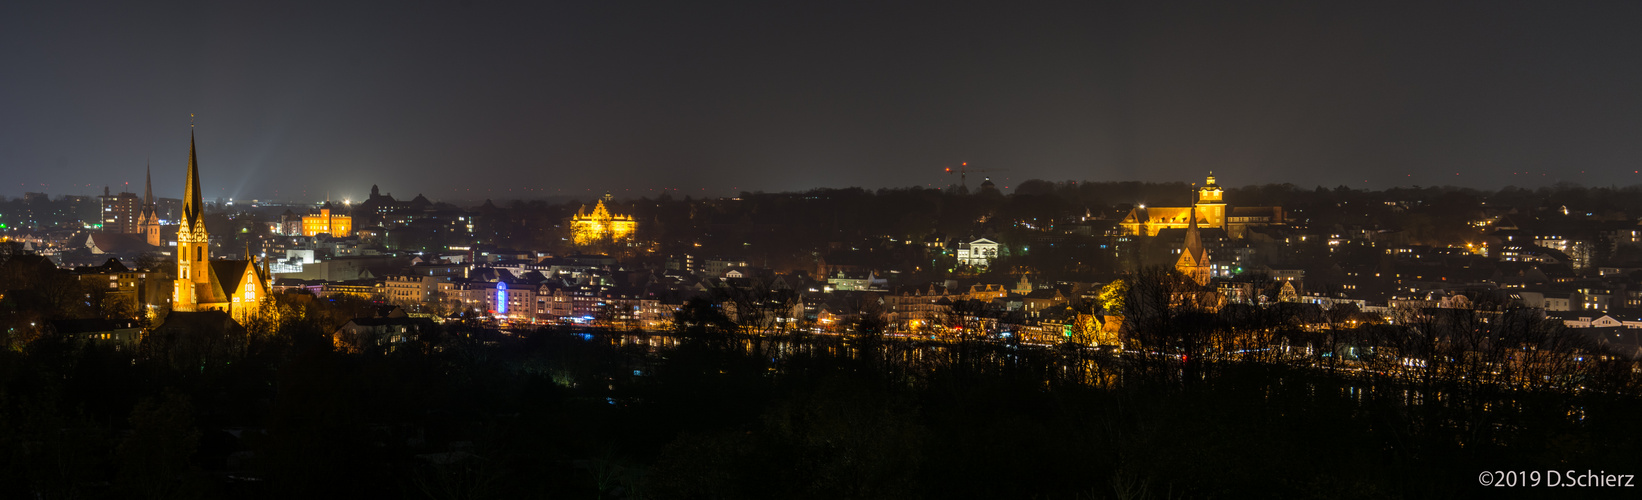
(1194, 240)
(191, 203)
(1193, 257)
(148, 184)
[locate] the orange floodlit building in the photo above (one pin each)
(1210, 211)
(338, 226)
(587, 228)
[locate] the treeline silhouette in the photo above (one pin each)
(842, 214)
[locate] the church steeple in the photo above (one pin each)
(1194, 259)
(195, 285)
(148, 219)
(148, 185)
(192, 206)
(1193, 237)
(198, 287)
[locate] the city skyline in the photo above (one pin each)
(726, 249)
(348, 195)
(450, 98)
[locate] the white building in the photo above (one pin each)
(977, 253)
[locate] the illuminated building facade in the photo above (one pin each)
(119, 211)
(587, 228)
(1210, 211)
(977, 253)
(233, 286)
(338, 226)
(501, 298)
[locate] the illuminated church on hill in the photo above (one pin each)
(1210, 211)
(236, 287)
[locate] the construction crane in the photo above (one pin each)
(963, 172)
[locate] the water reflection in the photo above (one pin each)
(915, 361)
(910, 358)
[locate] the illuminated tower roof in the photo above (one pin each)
(1210, 192)
(192, 206)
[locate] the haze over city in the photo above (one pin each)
(814, 250)
(472, 99)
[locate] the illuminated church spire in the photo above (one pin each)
(194, 286)
(192, 206)
(240, 289)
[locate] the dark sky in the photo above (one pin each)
(453, 99)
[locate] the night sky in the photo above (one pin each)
(466, 100)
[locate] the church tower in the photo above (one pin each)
(235, 287)
(148, 221)
(1211, 203)
(193, 243)
(1194, 259)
